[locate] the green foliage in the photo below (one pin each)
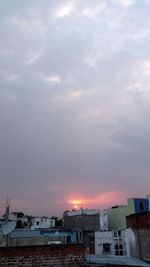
(19, 224)
(20, 215)
(58, 221)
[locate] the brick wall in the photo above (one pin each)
(138, 221)
(71, 255)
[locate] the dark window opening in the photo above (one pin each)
(121, 253)
(116, 247)
(119, 233)
(119, 250)
(120, 246)
(141, 206)
(106, 248)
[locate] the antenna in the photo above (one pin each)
(7, 209)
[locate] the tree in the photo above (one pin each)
(19, 224)
(58, 221)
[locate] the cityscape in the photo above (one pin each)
(120, 236)
(74, 133)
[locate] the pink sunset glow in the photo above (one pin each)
(101, 201)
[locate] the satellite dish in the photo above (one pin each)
(7, 227)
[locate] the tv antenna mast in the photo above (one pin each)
(7, 225)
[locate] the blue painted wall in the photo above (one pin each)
(141, 205)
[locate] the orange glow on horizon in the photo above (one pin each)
(76, 202)
(102, 200)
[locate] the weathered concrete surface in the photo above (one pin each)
(142, 244)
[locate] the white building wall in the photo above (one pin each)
(104, 222)
(130, 242)
(124, 238)
(83, 211)
(103, 238)
(42, 222)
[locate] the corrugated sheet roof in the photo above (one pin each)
(19, 233)
(115, 260)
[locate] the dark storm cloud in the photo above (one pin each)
(74, 100)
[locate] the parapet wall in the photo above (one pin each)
(71, 255)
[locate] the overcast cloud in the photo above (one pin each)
(74, 102)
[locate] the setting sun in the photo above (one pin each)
(76, 203)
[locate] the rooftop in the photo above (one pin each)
(82, 211)
(115, 260)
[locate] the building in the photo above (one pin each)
(134, 239)
(31, 222)
(104, 222)
(138, 221)
(42, 222)
(28, 237)
(117, 214)
(84, 221)
(115, 243)
(140, 225)
(118, 248)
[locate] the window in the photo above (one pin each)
(119, 250)
(119, 233)
(120, 246)
(115, 233)
(106, 248)
(116, 247)
(116, 250)
(141, 206)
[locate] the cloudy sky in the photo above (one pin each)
(74, 103)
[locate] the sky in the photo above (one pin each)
(74, 103)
